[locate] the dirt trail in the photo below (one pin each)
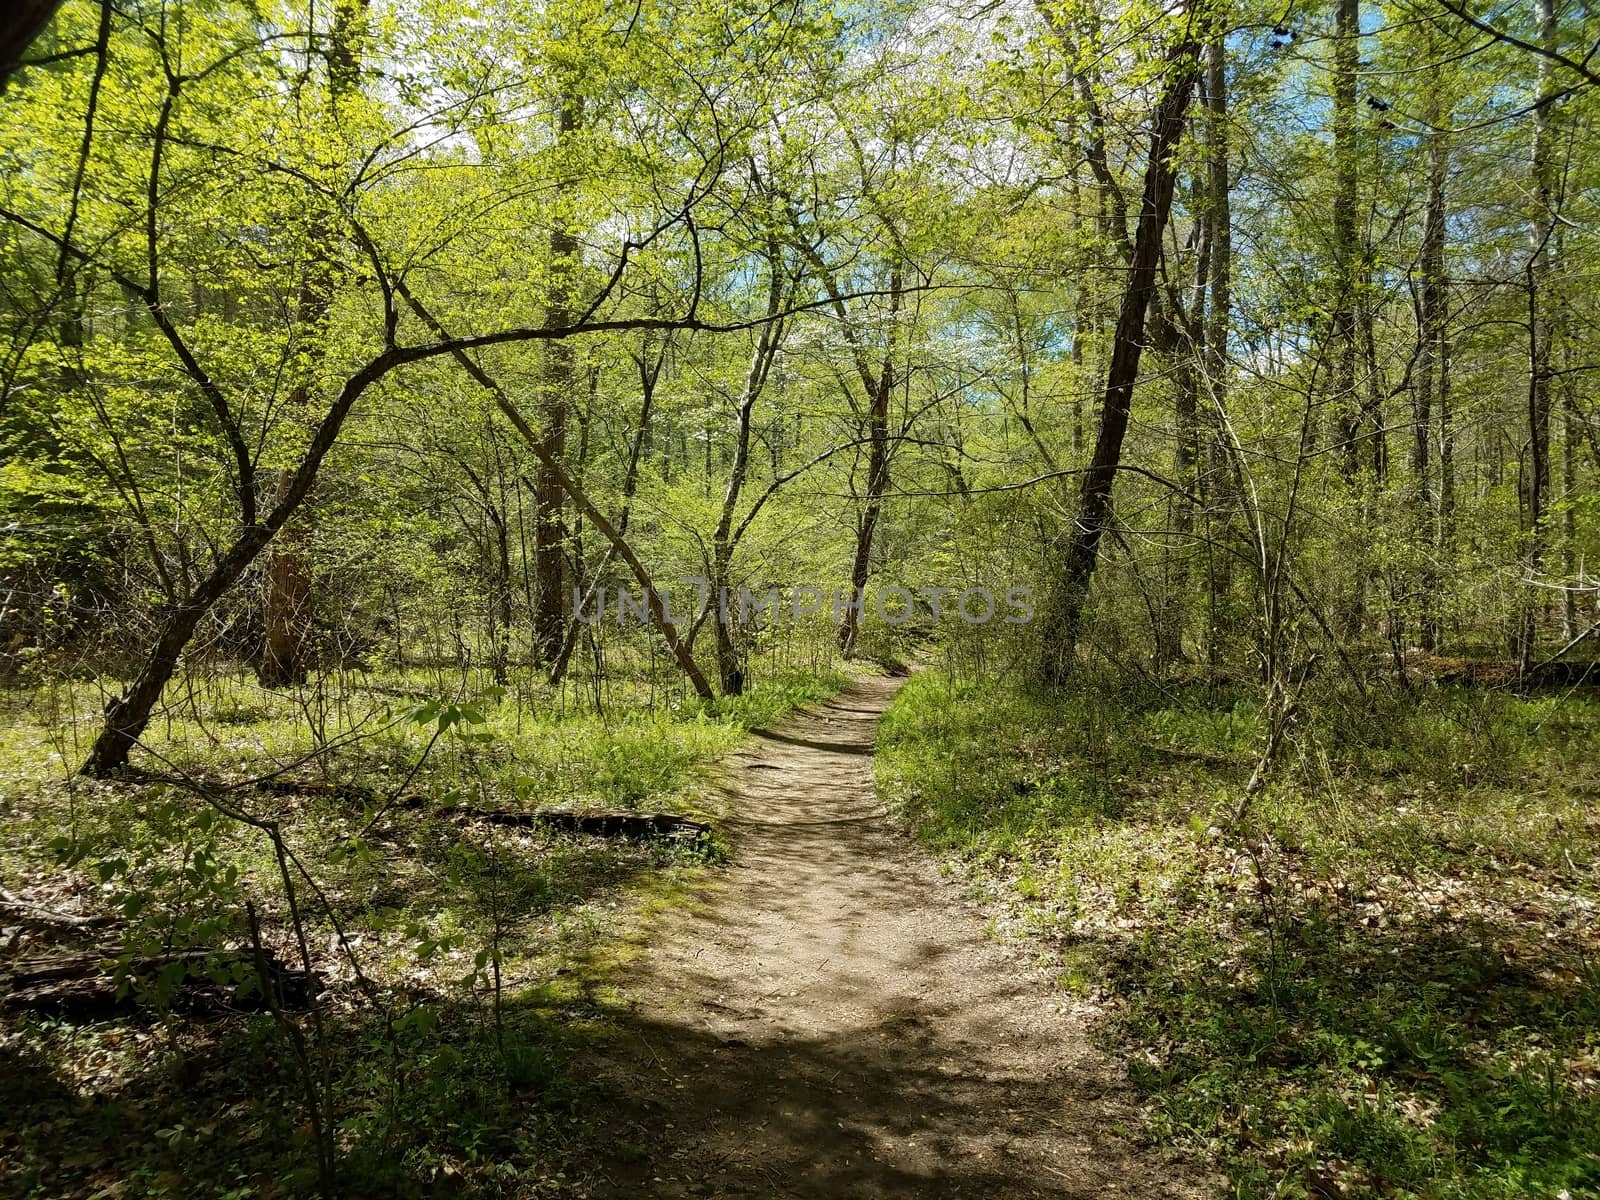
(831, 1019)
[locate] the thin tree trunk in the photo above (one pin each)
(1215, 485)
(500, 598)
(129, 714)
(877, 475)
(723, 539)
(639, 450)
(1562, 398)
(549, 531)
(1447, 454)
(1179, 335)
(1175, 605)
(1541, 227)
(1065, 613)
(1569, 522)
(655, 604)
(872, 507)
(1082, 316)
(1188, 369)
(1346, 59)
(1372, 415)
(1430, 367)
(878, 388)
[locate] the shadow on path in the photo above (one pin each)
(829, 1019)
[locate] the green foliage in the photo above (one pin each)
(237, 236)
(1382, 987)
(489, 954)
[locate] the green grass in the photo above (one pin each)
(1386, 982)
(431, 1095)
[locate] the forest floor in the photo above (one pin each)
(438, 1082)
(829, 1016)
(1043, 956)
(1380, 980)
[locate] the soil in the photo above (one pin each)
(830, 1017)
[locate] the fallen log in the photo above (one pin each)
(193, 981)
(17, 911)
(1564, 674)
(1503, 673)
(600, 822)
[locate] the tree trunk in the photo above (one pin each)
(500, 597)
(1082, 317)
(655, 605)
(723, 538)
(1372, 416)
(872, 507)
(649, 375)
(288, 606)
(1185, 453)
(877, 388)
(549, 533)
(25, 21)
(597, 822)
(1178, 335)
(1216, 484)
(1447, 456)
(1189, 366)
(877, 476)
(1346, 59)
(129, 714)
(1065, 613)
(1569, 522)
(1430, 365)
(101, 985)
(1541, 227)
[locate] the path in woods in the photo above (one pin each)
(830, 1019)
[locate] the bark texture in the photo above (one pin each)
(1064, 616)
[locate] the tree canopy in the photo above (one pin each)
(1231, 349)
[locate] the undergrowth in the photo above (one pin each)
(1385, 981)
(465, 962)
